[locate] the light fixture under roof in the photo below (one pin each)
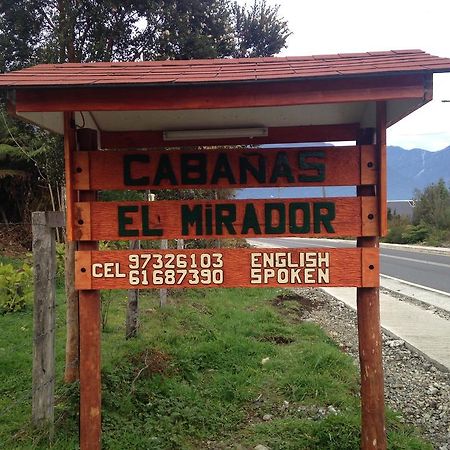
(181, 135)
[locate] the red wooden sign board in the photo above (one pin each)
(301, 267)
(351, 216)
(230, 168)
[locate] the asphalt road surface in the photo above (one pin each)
(432, 271)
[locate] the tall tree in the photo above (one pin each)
(258, 31)
(432, 206)
(56, 31)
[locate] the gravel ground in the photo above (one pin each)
(414, 387)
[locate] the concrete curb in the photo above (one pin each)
(418, 248)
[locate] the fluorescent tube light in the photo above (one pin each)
(181, 135)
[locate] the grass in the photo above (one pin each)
(196, 374)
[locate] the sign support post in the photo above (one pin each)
(71, 373)
(90, 334)
(373, 430)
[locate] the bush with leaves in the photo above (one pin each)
(433, 206)
(16, 287)
(430, 223)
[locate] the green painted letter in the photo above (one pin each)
(306, 217)
(146, 230)
(318, 168)
(250, 220)
(127, 176)
(123, 220)
(269, 209)
(325, 218)
(190, 217)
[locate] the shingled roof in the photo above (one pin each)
(275, 93)
(226, 70)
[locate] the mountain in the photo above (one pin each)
(415, 169)
(408, 170)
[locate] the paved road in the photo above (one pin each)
(432, 271)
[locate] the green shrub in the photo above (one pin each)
(415, 233)
(16, 287)
(401, 231)
(438, 237)
(397, 226)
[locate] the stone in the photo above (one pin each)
(332, 410)
(396, 343)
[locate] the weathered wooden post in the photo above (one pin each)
(90, 331)
(71, 371)
(132, 319)
(163, 291)
(373, 432)
(44, 263)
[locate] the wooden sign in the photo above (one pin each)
(351, 216)
(231, 168)
(298, 267)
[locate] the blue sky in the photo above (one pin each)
(345, 26)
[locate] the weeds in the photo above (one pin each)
(16, 290)
(207, 368)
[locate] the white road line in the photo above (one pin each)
(431, 263)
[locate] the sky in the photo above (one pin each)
(347, 26)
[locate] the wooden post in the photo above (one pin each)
(132, 320)
(71, 371)
(382, 166)
(163, 291)
(373, 432)
(44, 262)
(90, 334)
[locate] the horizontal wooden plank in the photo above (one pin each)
(223, 95)
(226, 218)
(275, 135)
(227, 268)
(231, 168)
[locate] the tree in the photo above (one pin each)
(433, 206)
(258, 31)
(29, 166)
(57, 31)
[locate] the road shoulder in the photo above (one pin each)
(413, 386)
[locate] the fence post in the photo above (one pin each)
(44, 262)
(163, 291)
(132, 320)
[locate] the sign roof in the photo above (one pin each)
(225, 70)
(277, 93)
